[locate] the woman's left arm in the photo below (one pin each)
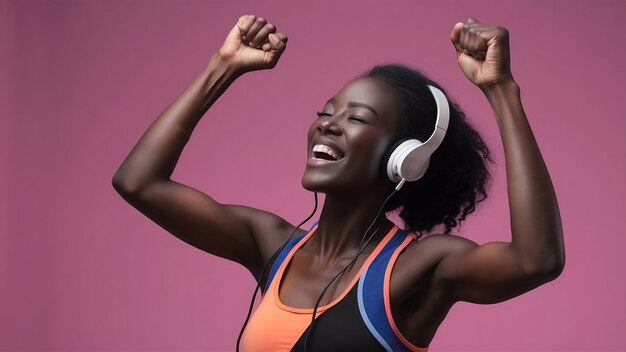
(497, 271)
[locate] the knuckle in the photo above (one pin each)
(501, 32)
(243, 20)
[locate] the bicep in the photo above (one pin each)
(228, 231)
(486, 274)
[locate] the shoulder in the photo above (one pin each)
(438, 246)
(421, 258)
(257, 219)
(264, 224)
(269, 231)
(446, 244)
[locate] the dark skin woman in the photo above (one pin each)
(358, 124)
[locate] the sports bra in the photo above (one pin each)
(358, 320)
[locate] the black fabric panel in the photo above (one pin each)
(340, 328)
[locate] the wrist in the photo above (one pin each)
(504, 87)
(224, 64)
(504, 98)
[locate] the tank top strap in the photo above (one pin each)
(283, 254)
(373, 296)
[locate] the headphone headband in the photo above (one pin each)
(441, 124)
(410, 159)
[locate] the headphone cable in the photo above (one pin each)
(266, 266)
(396, 189)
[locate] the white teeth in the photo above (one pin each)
(327, 150)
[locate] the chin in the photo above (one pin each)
(326, 183)
(322, 182)
(315, 184)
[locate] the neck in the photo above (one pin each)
(343, 222)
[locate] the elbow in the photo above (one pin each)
(131, 189)
(122, 186)
(118, 183)
(549, 270)
(552, 272)
(544, 264)
(555, 265)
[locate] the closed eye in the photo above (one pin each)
(357, 118)
(321, 113)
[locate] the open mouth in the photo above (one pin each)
(324, 152)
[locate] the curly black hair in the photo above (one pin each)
(458, 175)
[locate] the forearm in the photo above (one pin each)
(537, 237)
(155, 155)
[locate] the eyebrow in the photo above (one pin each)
(353, 104)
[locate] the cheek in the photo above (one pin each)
(371, 151)
(309, 134)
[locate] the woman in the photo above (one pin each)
(387, 290)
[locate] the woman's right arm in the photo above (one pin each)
(241, 234)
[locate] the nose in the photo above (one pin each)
(329, 125)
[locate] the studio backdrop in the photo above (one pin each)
(80, 81)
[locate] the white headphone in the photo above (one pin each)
(409, 160)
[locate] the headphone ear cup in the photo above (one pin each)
(382, 170)
(384, 162)
(408, 160)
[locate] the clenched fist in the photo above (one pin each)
(482, 52)
(253, 44)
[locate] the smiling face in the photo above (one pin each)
(348, 139)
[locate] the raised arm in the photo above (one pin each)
(245, 235)
(497, 271)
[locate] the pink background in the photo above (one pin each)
(81, 270)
